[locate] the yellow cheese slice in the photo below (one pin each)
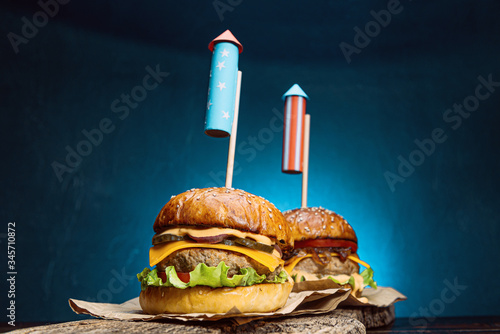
(355, 259)
(290, 265)
(161, 251)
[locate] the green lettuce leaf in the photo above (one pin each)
(150, 278)
(214, 277)
(204, 275)
(367, 275)
(250, 277)
(338, 282)
(173, 279)
(352, 282)
(142, 277)
(282, 277)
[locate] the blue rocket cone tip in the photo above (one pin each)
(295, 90)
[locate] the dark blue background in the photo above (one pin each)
(87, 236)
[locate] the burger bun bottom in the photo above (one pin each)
(258, 298)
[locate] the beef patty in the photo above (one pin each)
(186, 260)
(334, 267)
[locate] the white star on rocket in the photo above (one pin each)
(209, 103)
(225, 53)
(221, 85)
(225, 114)
(220, 65)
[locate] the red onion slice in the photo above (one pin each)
(278, 249)
(211, 239)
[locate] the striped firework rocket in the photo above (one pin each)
(222, 85)
(293, 130)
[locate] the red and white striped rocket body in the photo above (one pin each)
(293, 130)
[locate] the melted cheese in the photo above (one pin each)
(213, 231)
(294, 261)
(355, 259)
(159, 252)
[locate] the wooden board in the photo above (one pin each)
(334, 322)
(350, 320)
(371, 317)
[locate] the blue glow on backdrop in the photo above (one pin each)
(84, 227)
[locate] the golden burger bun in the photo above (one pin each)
(318, 223)
(203, 299)
(226, 208)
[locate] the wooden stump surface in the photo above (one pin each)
(350, 320)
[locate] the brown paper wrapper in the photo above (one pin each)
(312, 297)
(305, 302)
(380, 297)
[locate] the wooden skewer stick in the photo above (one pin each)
(232, 138)
(305, 172)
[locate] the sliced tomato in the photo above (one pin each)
(182, 276)
(327, 243)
